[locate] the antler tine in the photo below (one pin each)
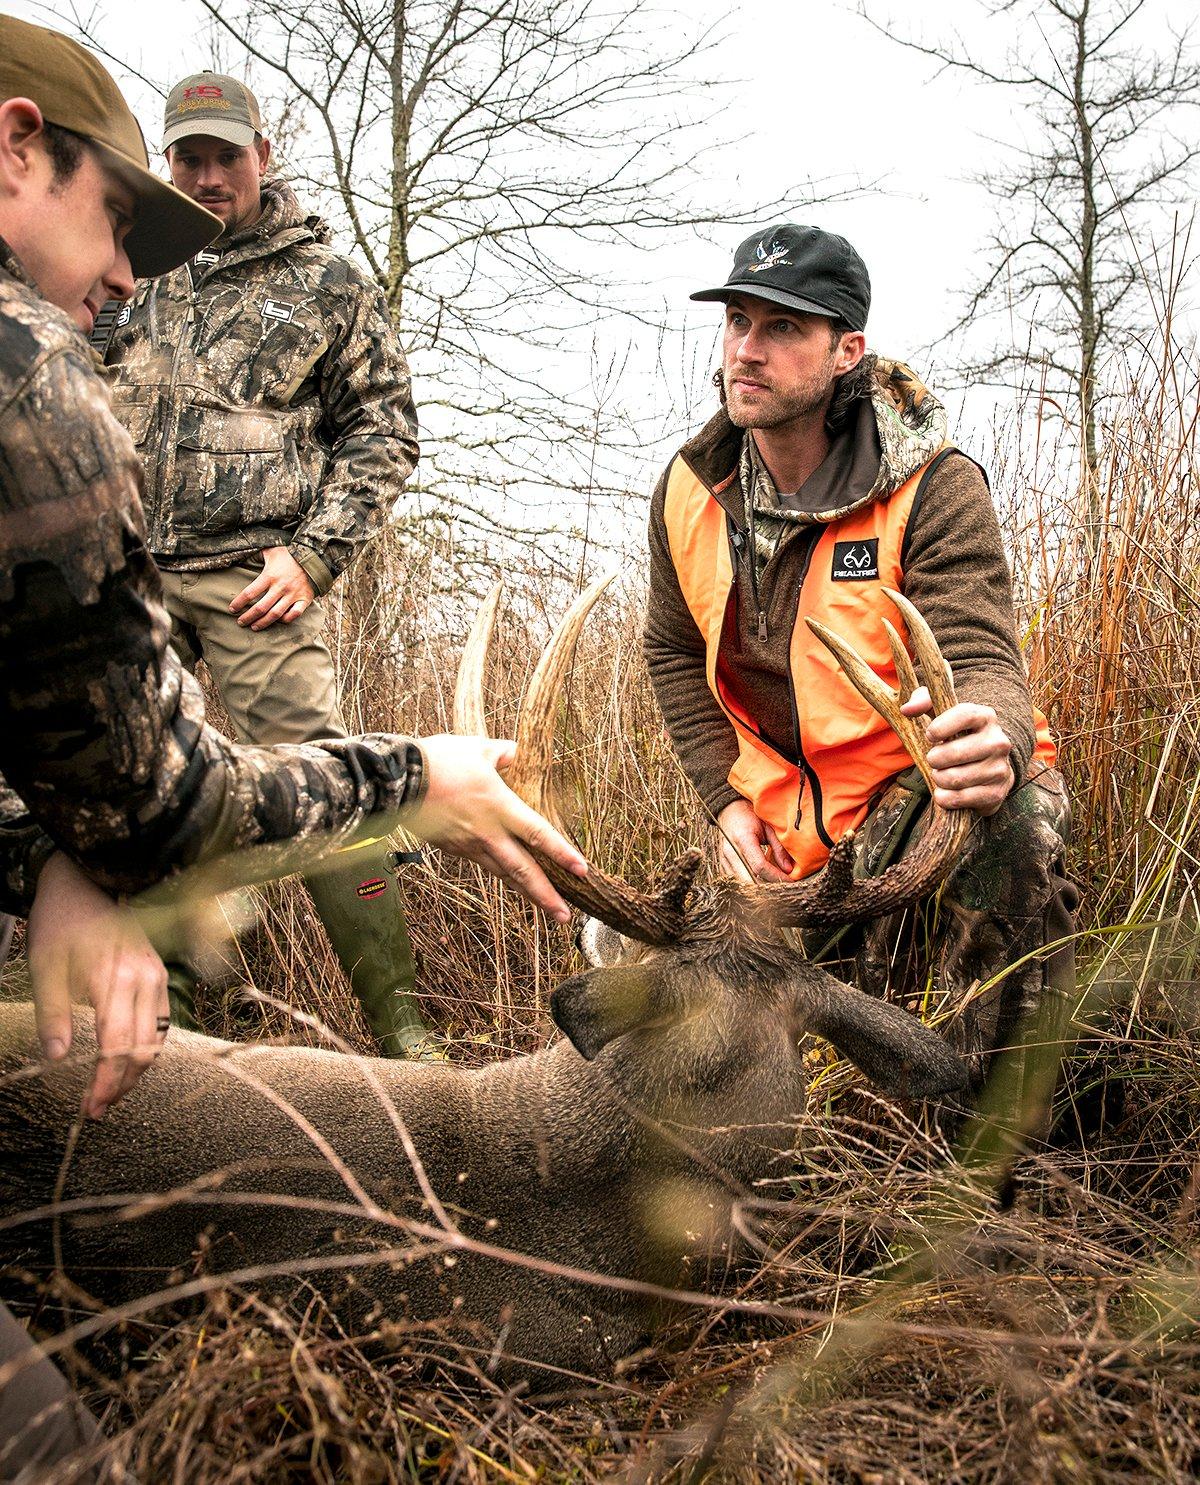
(537, 720)
(873, 691)
(830, 898)
(656, 918)
(900, 659)
(468, 689)
(934, 668)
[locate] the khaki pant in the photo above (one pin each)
(278, 684)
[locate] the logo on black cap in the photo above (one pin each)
(774, 256)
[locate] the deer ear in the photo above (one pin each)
(895, 1050)
(597, 1007)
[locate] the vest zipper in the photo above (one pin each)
(740, 545)
(806, 768)
(762, 613)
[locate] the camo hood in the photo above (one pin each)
(281, 212)
(910, 421)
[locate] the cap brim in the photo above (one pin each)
(763, 291)
(169, 227)
(227, 129)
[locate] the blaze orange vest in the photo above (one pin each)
(847, 751)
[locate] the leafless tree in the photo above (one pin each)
(502, 166)
(1113, 137)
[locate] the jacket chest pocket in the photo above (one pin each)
(255, 347)
(134, 410)
(234, 469)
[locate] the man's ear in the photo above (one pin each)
(895, 1050)
(597, 1007)
(20, 124)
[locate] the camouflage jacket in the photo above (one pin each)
(104, 750)
(265, 388)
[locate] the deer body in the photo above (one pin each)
(624, 1161)
(621, 1151)
(545, 1155)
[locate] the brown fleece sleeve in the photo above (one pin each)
(956, 573)
(704, 741)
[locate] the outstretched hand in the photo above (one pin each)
(82, 945)
(468, 809)
(968, 753)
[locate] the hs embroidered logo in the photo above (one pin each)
(855, 561)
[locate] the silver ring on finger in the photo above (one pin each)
(162, 1025)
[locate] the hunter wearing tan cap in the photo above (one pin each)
(106, 763)
(267, 392)
(48, 79)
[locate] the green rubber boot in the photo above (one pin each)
(181, 992)
(363, 913)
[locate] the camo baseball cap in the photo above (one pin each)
(75, 92)
(213, 104)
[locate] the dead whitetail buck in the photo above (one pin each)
(395, 1187)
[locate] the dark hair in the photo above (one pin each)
(65, 149)
(851, 389)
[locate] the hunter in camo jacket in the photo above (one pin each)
(267, 393)
(103, 745)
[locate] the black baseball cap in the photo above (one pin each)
(802, 268)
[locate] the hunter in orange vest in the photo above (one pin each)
(826, 477)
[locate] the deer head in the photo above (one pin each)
(716, 946)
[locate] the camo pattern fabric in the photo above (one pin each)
(269, 398)
(24, 850)
(103, 744)
(990, 944)
(911, 421)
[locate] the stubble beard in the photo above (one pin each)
(777, 409)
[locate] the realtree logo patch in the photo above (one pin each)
(372, 887)
(855, 561)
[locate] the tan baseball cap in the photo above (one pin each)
(213, 104)
(73, 90)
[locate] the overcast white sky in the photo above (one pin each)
(818, 93)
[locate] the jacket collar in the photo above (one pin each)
(12, 265)
(281, 224)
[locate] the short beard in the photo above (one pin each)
(782, 410)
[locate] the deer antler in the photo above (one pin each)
(828, 898)
(831, 897)
(656, 918)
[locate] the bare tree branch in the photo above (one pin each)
(1067, 241)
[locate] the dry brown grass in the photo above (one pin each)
(925, 1328)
